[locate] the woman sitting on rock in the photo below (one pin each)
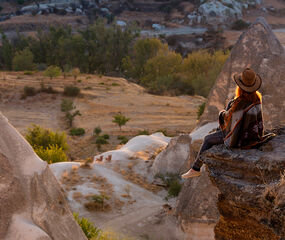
(241, 124)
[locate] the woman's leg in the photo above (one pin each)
(209, 141)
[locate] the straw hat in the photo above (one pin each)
(248, 80)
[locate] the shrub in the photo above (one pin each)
(39, 137)
(106, 136)
(28, 73)
(123, 139)
(67, 105)
(240, 25)
(69, 117)
(174, 188)
(97, 131)
(75, 73)
(100, 140)
(87, 227)
(77, 131)
(23, 60)
(48, 89)
(143, 132)
(29, 91)
(52, 72)
(51, 154)
(71, 91)
(120, 120)
(201, 109)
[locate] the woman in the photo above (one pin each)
(241, 124)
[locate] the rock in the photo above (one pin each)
(32, 204)
(220, 12)
(121, 23)
(259, 49)
(251, 190)
(174, 159)
(157, 27)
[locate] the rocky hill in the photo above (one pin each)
(252, 186)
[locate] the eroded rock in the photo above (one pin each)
(259, 49)
(252, 186)
(32, 205)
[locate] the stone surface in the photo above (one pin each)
(252, 186)
(174, 159)
(259, 49)
(32, 205)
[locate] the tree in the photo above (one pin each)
(120, 120)
(52, 71)
(75, 73)
(23, 60)
(67, 106)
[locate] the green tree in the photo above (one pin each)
(6, 53)
(67, 106)
(23, 60)
(52, 71)
(120, 120)
(143, 50)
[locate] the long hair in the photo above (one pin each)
(250, 97)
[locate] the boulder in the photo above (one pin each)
(259, 49)
(174, 159)
(32, 204)
(251, 187)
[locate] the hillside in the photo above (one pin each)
(100, 99)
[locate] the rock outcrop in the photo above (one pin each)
(174, 159)
(252, 186)
(32, 204)
(259, 49)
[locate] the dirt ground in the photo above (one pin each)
(100, 99)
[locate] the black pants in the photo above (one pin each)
(209, 141)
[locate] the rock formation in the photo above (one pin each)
(174, 159)
(259, 49)
(252, 186)
(32, 205)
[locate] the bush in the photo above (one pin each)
(174, 188)
(48, 89)
(67, 105)
(41, 67)
(240, 25)
(23, 60)
(100, 140)
(51, 154)
(106, 136)
(97, 131)
(52, 72)
(77, 131)
(123, 139)
(143, 132)
(39, 137)
(71, 91)
(87, 227)
(29, 91)
(28, 73)
(201, 109)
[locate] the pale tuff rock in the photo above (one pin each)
(32, 205)
(174, 159)
(259, 49)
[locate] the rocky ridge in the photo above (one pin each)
(252, 186)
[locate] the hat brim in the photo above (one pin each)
(251, 89)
